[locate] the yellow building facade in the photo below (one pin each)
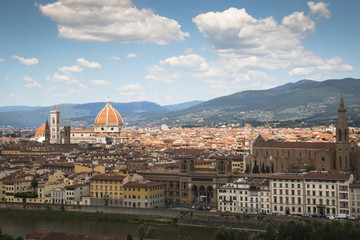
(144, 194)
(106, 190)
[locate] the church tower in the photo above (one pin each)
(55, 126)
(47, 133)
(342, 140)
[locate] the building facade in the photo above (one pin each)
(106, 190)
(144, 195)
(342, 155)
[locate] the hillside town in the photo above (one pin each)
(234, 168)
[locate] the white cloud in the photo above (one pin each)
(74, 68)
(299, 24)
(132, 55)
(160, 75)
(28, 62)
(244, 43)
(111, 21)
(189, 50)
(190, 62)
(234, 30)
(66, 79)
(2, 60)
(6, 78)
(135, 90)
(85, 63)
(301, 71)
(115, 58)
(335, 64)
(58, 78)
(319, 9)
(99, 82)
(31, 83)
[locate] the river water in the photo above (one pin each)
(19, 226)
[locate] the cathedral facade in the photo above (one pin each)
(343, 155)
(108, 129)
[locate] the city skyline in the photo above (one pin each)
(66, 51)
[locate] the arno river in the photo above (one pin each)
(19, 226)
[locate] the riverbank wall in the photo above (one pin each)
(182, 217)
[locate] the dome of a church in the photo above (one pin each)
(40, 130)
(108, 119)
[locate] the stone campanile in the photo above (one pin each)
(342, 140)
(55, 126)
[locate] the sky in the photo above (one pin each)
(169, 52)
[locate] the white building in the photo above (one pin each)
(57, 196)
(74, 193)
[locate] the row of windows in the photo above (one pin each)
(146, 197)
(133, 204)
(106, 181)
(103, 195)
(321, 202)
(100, 187)
(292, 192)
(138, 189)
(233, 191)
(287, 200)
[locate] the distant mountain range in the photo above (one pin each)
(305, 99)
(81, 114)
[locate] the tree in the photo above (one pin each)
(141, 231)
(34, 184)
(262, 168)
(247, 170)
(151, 232)
(224, 233)
(256, 167)
(129, 237)
(267, 169)
(272, 167)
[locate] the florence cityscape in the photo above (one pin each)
(133, 119)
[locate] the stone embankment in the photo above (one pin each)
(182, 217)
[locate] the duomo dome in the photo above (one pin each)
(108, 120)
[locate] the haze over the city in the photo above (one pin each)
(76, 51)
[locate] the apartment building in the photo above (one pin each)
(14, 186)
(144, 194)
(234, 197)
(354, 199)
(287, 192)
(319, 193)
(74, 193)
(106, 190)
(265, 197)
(57, 196)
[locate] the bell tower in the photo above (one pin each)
(47, 133)
(55, 126)
(342, 140)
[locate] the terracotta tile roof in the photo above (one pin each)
(108, 177)
(143, 184)
(327, 175)
(355, 185)
(81, 130)
(287, 176)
